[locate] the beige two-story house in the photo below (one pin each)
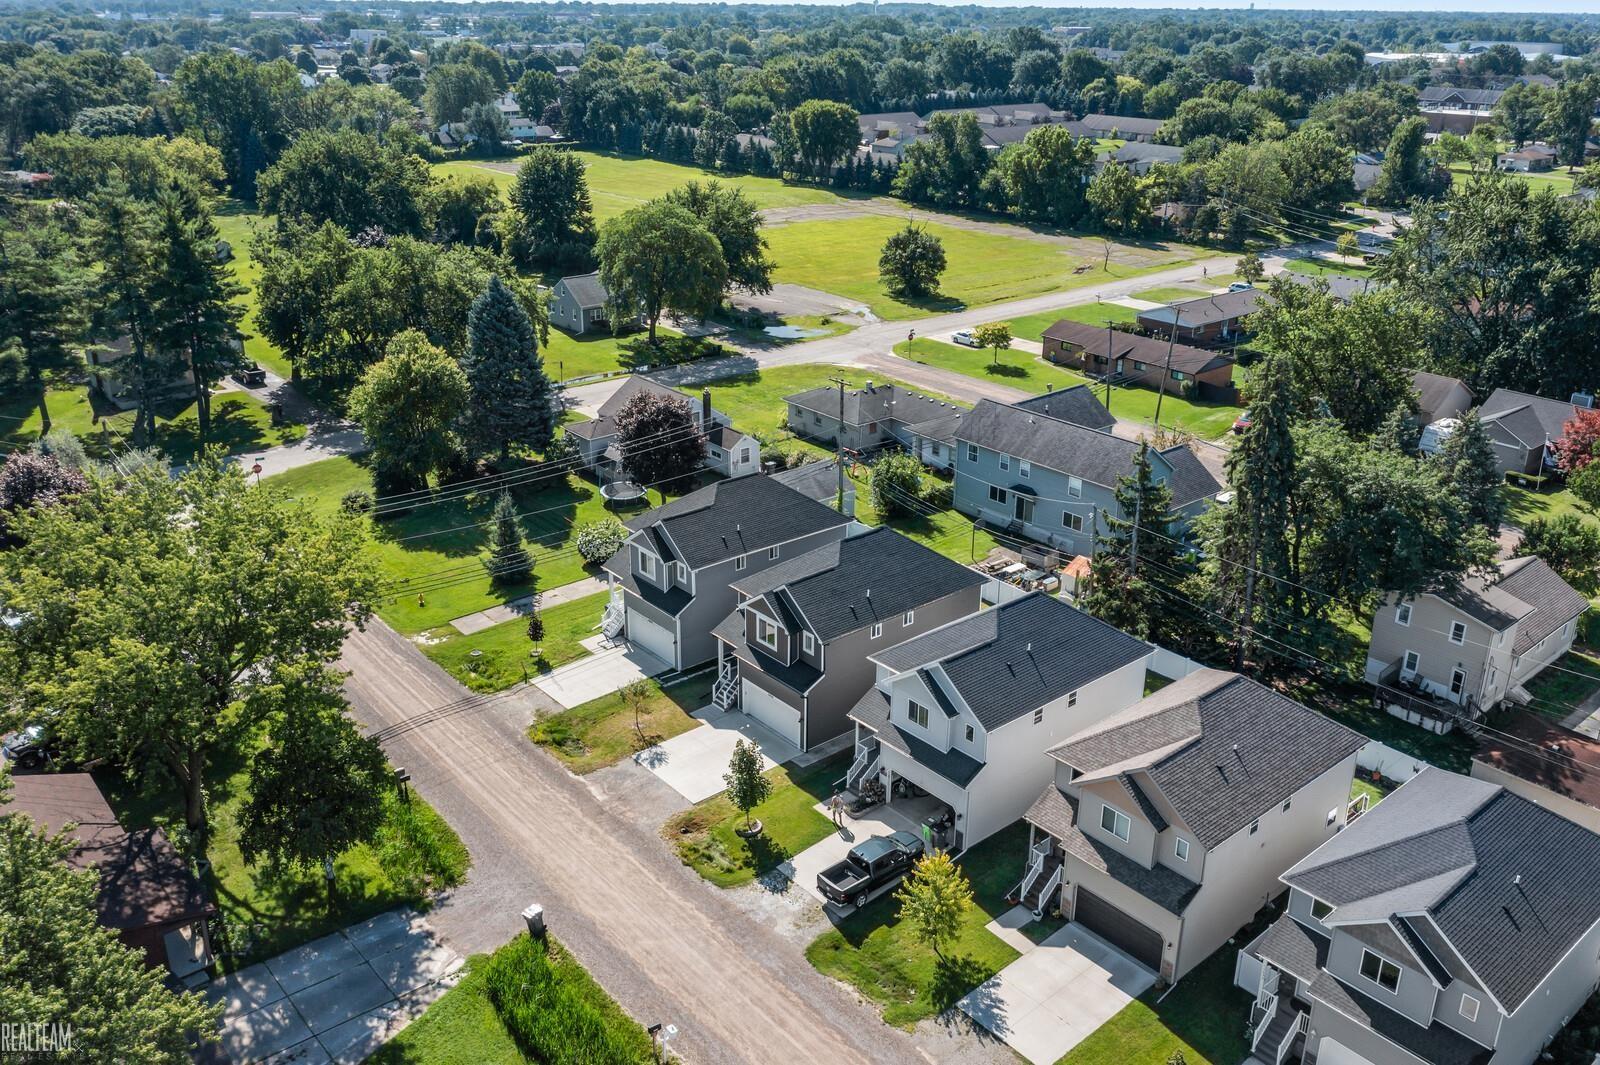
(1463, 651)
(1169, 823)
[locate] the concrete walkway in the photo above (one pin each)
(511, 609)
(609, 667)
(338, 998)
(692, 763)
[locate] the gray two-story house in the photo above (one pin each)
(794, 654)
(672, 581)
(966, 712)
(865, 420)
(1454, 923)
(1048, 479)
(1169, 823)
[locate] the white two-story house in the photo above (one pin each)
(968, 711)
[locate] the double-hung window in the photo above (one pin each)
(918, 713)
(1116, 822)
(1005, 461)
(1024, 468)
(972, 452)
(1458, 632)
(1402, 614)
(1074, 487)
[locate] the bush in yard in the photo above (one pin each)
(357, 501)
(896, 485)
(933, 901)
(599, 540)
(912, 262)
(1585, 484)
(556, 1012)
(1579, 436)
(1569, 544)
(939, 494)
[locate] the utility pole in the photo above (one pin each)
(1106, 377)
(838, 441)
(1166, 374)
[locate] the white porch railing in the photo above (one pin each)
(1295, 1029)
(725, 693)
(1041, 850)
(1049, 886)
(1269, 1009)
(614, 618)
(1358, 806)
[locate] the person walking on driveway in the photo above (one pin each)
(836, 809)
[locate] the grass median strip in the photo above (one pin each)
(505, 654)
(706, 839)
(604, 732)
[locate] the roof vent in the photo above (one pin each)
(1030, 648)
(1516, 881)
(1583, 399)
(869, 593)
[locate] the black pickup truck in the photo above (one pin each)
(870, 865)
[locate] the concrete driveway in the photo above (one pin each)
(693, 762)
(337, 998)
(610, 667)
(903, 816)
(1055, 995)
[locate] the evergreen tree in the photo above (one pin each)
(1467, 457)
(1250, 546)
(42, 285)
(509, 561)
(196, 319)
(1138, 534)
(511, 400)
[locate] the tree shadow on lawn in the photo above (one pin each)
(954, 977)
(1005, 369)
(933, 303)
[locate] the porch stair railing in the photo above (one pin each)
(614, 618)
(1037, 854)
(1042, 900)
(1287, 1041)
(725, 693)
(864, 766)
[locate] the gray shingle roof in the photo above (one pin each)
(1189, 481)
(1209, 310)
(603, 425)
(1092, 455)
(1435, 1043)
(1104, 124)
(817, 480)
(586, 290)
(731, 518)
(1057, 813)
(1220, 748)
(1509, 884)
(1433, 389)
(872, 710)
(1077, 405)
(798, 676)
(1292, 947)
(1554, 601)
(847, 585)
(1118, 343)
(876, 403)
(1139, 152)
(1007, 661)
(1529, 418)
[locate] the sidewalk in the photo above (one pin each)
(518, 607)
(338, 998)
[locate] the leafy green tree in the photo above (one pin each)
(317, 789)
(1520, 111)
(195, 298)
(996, 336)
(946, 166)
(43, 282)
(1249, 268)
(658, 257)
(824, 132)
(1117, 199)
(408, 406)
(168, 611)
(1569, 543)
(535, 91)
(896, 484)
(1569, 117)
(345, 177)
(1366, 119)
(60, 965)
(510, 399)
(1248, 187)
(912, 262)
(1138, 533)
(145, 165)
(551, 199)
(241, 107)
(1319, 171)
(748, 786)
(934, 901)
(733, 218)
(1407, 171)
(1345, 362)
(452, 88)
(660, 439)
(464, 211)
(488, 128)
(1348, 245)
(1467, 458)
(1044, 176)
(508, 561)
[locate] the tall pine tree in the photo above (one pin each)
(511, 400)
(1467, 458)
(42, 285)
(1138, 534)
(1251, 543)
(509, 561)
(196, 319)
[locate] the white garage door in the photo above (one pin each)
(771, 711)
(1334, 1052)
(651, 637)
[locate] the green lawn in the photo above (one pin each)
(841, 256)
(946, 531)
(236, 224)
(1573, 678)
(876, 953)
(1525, 504)
(1559, 179)
(1032, 373)
(602, 732)
(462, 1028)
(506, 657)
(266, 912)
(239, 423)
(1032, 327)
(1328, 267)
(1171, 294)
(1361, 786)
(705, 838)
(1203, 1017)
(446, 542)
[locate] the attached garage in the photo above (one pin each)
(1333, 1052)
(770, 710)
(1119, 929)
(652, 637)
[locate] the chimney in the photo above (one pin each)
(705, 409)
(869, 384)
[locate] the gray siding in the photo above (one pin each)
(819, 425)
(1328, 1023)
(1552, 1004)
(1414, 997)
(1429, 636)
(973, 482)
